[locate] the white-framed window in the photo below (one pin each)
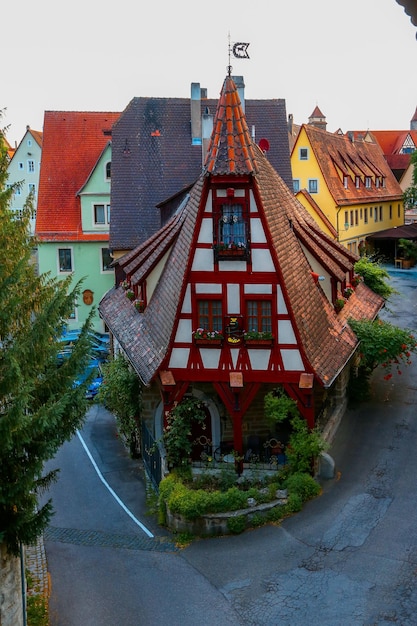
(31, 165)
(108, 170)
(101, 214)
(20, 165)
(313, 185)
(303, 154)
(296, 185)
(106, 260)
(357, 182)
(368, 182)
(18, 191)
(65, 259)
(73, 315)
(345, 182)
(32, 188)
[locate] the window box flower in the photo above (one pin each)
(130, 294)
(211, 338)
(258, 338)
(237, 251)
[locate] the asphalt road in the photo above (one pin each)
(348, 559)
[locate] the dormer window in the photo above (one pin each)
(357, 182)
(231, 230)
(368, 182)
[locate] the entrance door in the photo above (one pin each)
(201, 437)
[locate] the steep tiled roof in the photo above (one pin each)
(153, 158)
(230, 150)
(326, 339)
(364, 158)
(72, 144)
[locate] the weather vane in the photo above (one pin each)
(239, 50)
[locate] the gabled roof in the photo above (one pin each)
(153, 158)
(363, 158)
(72, 143)
(326, 340)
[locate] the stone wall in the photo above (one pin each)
(11, 601)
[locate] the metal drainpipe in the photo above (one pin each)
(23, 579)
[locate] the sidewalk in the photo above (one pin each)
(36, 565)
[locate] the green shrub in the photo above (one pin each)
(294, 503)
(302, 485)
(237, 524)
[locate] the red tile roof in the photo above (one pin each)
(72, 144)
(365, 158)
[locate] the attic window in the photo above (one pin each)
(345, 181)
(303, 154)
(368, 182)
(357, 182)
(231, 227)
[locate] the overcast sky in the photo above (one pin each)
(356, 60)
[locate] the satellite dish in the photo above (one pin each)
(264, 145)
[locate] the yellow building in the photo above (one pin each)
(345, 184)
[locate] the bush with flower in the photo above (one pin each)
(382, 344)
(177, 432)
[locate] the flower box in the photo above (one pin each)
(209, 343)
(259, 343)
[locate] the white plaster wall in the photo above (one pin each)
(184, 331)
(281, 306)
(206, 231)
(292, 360)
(233, 299)
(256, 230)
(203, 260)
(179, 358)
(186, 305)
(259, 359)
(262, 261)
(286, 332)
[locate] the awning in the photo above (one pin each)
(407, 231)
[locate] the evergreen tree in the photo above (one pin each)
(40, 408)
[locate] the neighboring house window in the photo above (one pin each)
(390, 211)
(357, 182)
(296, 185)
(380, 214)
(370, 212)
(73, 314)
(210, 316)
(108, 170)
(365, 215)
(377, 181)
(356, 217)
(383, 181)
(303, 154)
(232, 226)
(368, 182)
(313, 185)
(18, 191)
(65, 259)
(345, 182)
(376, 214)
(399, 210)
(29, 143)
(259, 315)
(106, 260)
(351, 219)
(31, 166)
(101, 214)
(346, 219)
(20, 165)
(32, 188)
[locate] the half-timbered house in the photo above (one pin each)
(236, 295)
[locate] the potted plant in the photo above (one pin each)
(130, 294)
(408, 252)
(139, 305)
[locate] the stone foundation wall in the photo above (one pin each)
(11, 601)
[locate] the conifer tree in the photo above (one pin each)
(40, 407)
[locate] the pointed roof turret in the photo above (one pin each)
(231, 150)
(317, 119)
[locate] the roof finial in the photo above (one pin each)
(240, 51)
(229, 67)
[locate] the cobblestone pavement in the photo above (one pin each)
(36, 565)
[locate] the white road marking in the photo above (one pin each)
(113, 493)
